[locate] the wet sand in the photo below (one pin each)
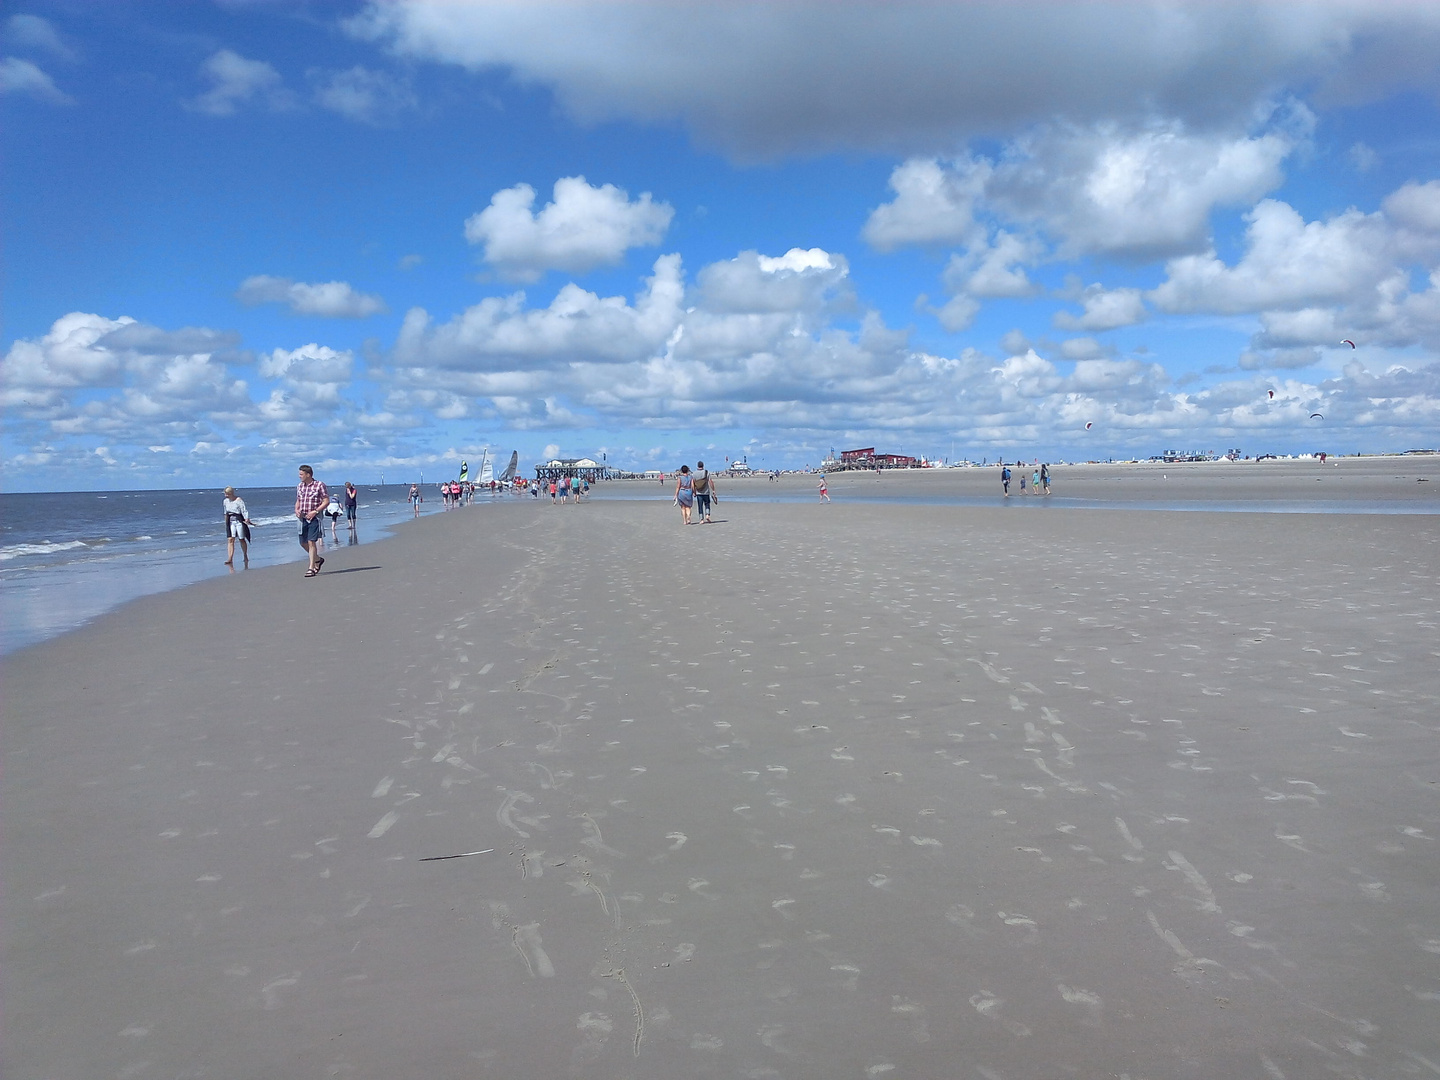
(815, 791)
(1400, 483)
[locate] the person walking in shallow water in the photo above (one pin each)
(333, 512)
(1005, 479)
(237, 527)
(1045, 478)
(685, 493)
(824, 491)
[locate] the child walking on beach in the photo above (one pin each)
(824, 491)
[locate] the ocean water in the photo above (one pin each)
(67, 557)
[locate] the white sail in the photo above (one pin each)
(487, 473)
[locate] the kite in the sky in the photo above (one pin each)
(1316, 416)
(1347, 341)
(1088, 425)
(1272, 394)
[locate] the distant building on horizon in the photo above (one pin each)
(575, 468)
(867, 458)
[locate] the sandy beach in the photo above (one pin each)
(869, 790)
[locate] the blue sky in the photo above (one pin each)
(380, 237)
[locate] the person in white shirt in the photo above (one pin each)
(333, 512)
(237, 527)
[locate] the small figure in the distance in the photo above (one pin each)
(333, 510)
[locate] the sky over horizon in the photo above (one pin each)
(380, 237)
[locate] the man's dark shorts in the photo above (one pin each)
(309, 530)
(702, 503)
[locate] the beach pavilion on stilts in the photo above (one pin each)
(574, 468)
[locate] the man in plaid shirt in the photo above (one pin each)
(310, 498)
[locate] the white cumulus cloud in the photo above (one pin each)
(1105, 309)
(67, 356)
(1288, 263)
(581, 228)
(934, 203)
(798, 281)
(91, 376)
(312, 376)
(364, 95)
(19, 76)
(1313, 283)
(329, 299)
(236, 81)
(501, 332)
(994, 270)
(31, 32)
(1415, 206)
(1133, 193)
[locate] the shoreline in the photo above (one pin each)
(814, 790)
(1381, 485)
(52, 588)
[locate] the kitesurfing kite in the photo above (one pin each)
(1089, 424)
(1347, 341)
(1316, 416)
(1272, 395)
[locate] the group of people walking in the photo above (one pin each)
(694, 492)
(567, 488)
(312, 502)
(1039, 479)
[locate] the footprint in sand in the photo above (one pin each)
(988, 1006)
(1088, 1000)
(594, 1028)
(916, 1012)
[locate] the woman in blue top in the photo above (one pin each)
(685, 492)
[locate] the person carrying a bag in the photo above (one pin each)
(704, 492)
